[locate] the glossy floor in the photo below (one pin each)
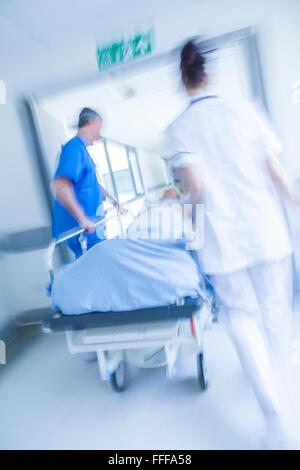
(52, 400)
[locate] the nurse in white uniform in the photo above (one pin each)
(224, 152)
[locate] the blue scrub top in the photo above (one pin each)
(76, 164)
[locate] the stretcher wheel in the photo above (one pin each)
(202, 372)
(120, 377)
(90, 356)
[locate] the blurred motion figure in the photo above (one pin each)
(75, 187)
(225, 154)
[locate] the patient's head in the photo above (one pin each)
(160, 220)
(170, 193)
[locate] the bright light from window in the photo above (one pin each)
(117, 156)
(97, 153)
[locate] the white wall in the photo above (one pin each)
(22, 206)
(52, 135)
(39, 51)
(281, 66)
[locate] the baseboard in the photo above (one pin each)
(9, 332)
(16, 339)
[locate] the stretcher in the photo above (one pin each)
(148, 337)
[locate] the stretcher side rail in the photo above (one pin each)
(56, 321)
(80, 233)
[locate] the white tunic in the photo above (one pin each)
(229, 141)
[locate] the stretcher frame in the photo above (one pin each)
(116, 338)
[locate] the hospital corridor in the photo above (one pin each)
(149, 227)
(64, 405)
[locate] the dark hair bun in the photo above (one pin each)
(192, 63)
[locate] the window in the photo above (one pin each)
(136, 172)
(168, 171)
(117, 155)
(98, 154)
(118, 169)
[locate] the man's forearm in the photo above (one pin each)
(63, 192)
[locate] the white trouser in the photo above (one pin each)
(257, 304)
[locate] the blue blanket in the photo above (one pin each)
(126, 274)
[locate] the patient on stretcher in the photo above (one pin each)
(151, 267)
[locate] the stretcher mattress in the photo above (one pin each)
(121, 275)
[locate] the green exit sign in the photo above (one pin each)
(125, 50)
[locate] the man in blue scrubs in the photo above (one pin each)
(75, 187)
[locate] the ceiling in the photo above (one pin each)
(135, 109)
(44, 42)
(52, 43)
